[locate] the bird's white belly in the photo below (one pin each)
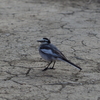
(47, 57)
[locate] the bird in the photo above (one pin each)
(51, 53)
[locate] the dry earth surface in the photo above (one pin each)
(73, 26)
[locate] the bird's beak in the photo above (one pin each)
(40, 40)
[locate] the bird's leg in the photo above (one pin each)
(47, 66)
(53, 65)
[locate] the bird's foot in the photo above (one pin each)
(45, 69)
(80, 70)
(48, 68)
(51, 68)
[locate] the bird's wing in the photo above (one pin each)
(52, 51)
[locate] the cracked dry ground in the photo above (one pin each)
(73, 26)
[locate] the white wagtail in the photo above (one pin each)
(50, 53)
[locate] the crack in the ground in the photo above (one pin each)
(20, 83)
(90, 34)
(84, 44)
(81, 83)
(4, 98)
(10, 77)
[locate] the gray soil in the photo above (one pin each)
(73, 26)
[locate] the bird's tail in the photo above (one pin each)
(66, 60)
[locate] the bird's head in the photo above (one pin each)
(44, 41)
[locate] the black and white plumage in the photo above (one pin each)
(51, 53)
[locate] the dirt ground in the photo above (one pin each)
(73, 26)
